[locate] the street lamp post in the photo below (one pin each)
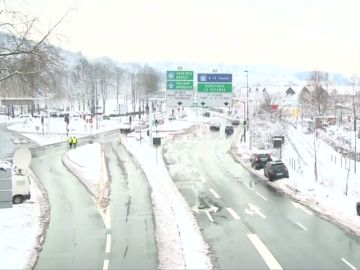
(247, 94)
(354, 131)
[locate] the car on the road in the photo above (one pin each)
(172, 117)
(229, 130)
(358, 208)
(275, 170)
(259, 160)
(206, 114)
(215, 125)
(235, 122)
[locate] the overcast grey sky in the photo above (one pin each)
(323, 34)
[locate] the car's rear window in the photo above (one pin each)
(263, 155)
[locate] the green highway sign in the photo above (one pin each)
(215, 87)
(180, 85)
(180, 75)
(179, 88)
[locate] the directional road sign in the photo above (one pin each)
(179, 88)
(214, 89)
(216, 77)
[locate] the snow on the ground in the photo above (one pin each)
(178, 236)
(88, 164)
(179, 239)
(22, 230)
(326, 195)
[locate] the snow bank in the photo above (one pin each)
(88, 164)
(179, 240)
(23, 229)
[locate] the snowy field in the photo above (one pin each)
(176, 229)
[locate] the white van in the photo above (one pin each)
(20, 182)
(20, 186)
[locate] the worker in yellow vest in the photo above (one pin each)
(70, 142)
(74, 141)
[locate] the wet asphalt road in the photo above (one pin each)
(132, 220)
(246, 222)
(76, 235)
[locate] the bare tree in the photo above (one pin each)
(319, 96)
(268, 100)
(119, 75)
(105, 75)
(17, 46)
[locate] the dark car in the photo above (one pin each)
(358, 208)
(275, 170)
(229, 130)
(258, 160)
(206, 114)
(235, 122)
(215, 126)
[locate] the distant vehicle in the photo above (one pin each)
(172, 117)
(106, 117)
(215, 126)
(206, 114)
(275, 170)
(235, 122)
(229, 130)
(258, 160)
(358, 208)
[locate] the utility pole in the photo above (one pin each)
(354, 131)
(247, 94)
(246, 123)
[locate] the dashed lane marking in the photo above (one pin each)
(209, 216)
(261, 196)
(106, 265)
(233, 213)
(108, 243)
(348, 264)
(246, 185)
(213, 192)
(303, 208)
(301, 226)
(264, 252)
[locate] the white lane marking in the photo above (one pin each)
(299, 206)
(256, 210)
(213, 192)
(106, 265)
(246, 185)
(348, 264)
(233, 213)
(209, 216)
(261, 196)
(269, 259)
(108, 243)
(301, 226)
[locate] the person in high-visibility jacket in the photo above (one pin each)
(74, 141)
(70, 142)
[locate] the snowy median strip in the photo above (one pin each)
(88, 164)
(178, 236)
